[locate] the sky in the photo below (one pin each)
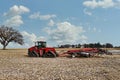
(62, 21)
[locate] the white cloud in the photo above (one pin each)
(100, 3)
(87, 12)
(51, 23)
(14, 21)
(14, 15)
(66, 33)
(30, 38)
(17, 10)
(42, 17)
(83, 37)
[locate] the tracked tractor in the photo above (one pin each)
(40, 50)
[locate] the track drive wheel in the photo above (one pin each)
(29, 54)
(34, 54)
(49, 54)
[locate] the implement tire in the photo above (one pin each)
(73, 55)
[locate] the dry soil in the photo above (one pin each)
(16, 65)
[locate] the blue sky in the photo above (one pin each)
(63, 21)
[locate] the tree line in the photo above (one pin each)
(90, 45)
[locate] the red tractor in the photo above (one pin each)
(40, 50)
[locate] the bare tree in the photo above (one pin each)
(8, 34)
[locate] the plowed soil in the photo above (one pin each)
(16, 65)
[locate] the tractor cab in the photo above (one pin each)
(40, 44)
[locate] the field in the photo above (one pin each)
(16, 65)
